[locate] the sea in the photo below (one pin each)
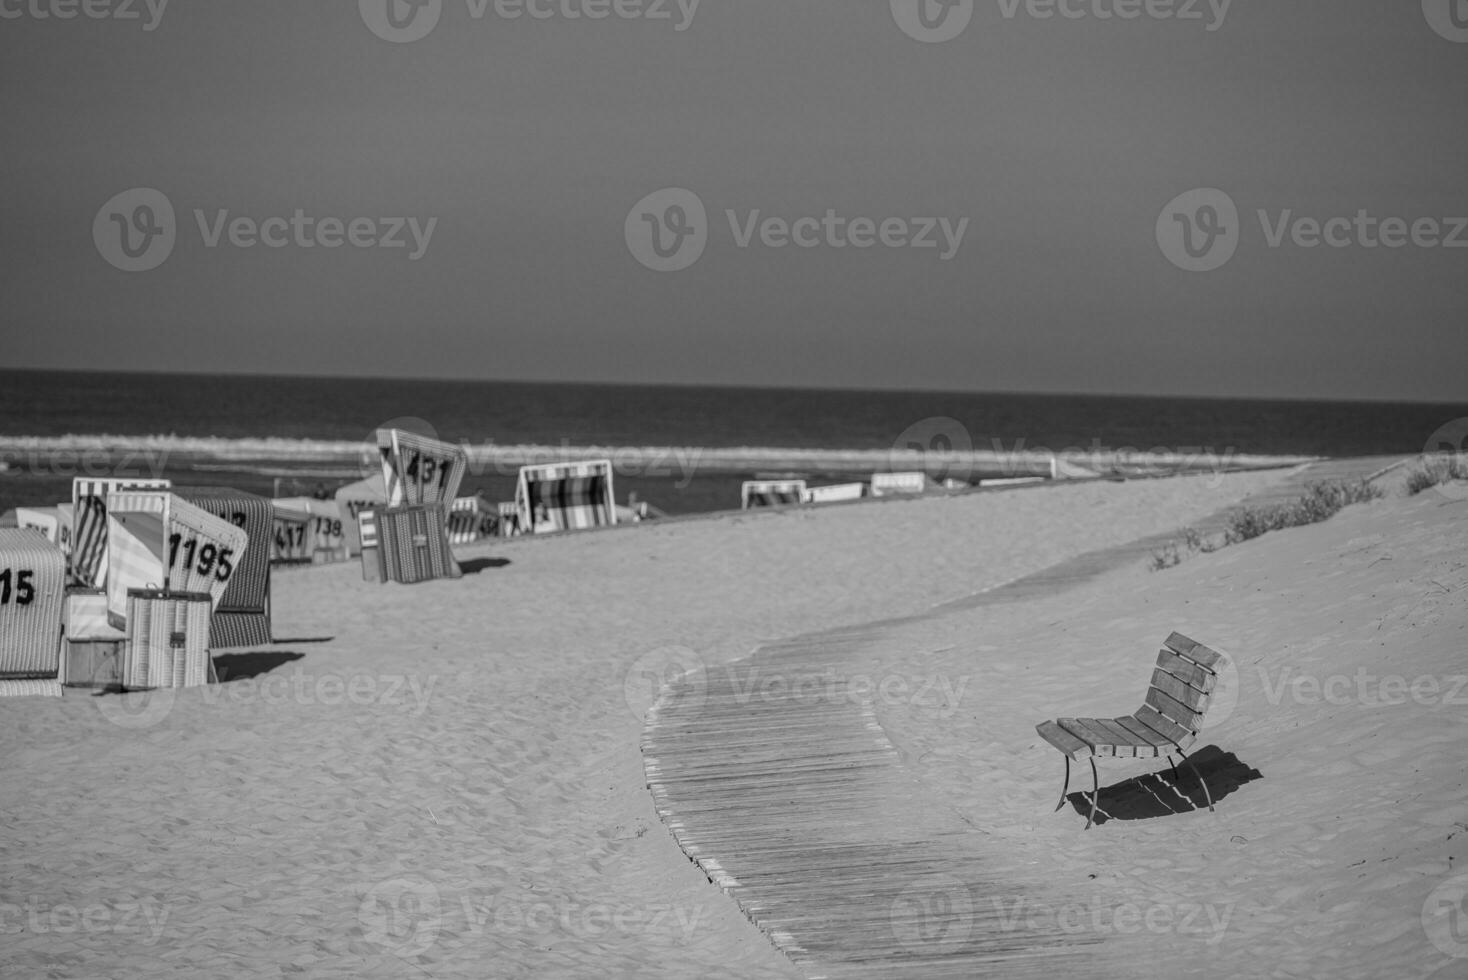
(681, 449)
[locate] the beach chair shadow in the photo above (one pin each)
(1164, 793)
(474, 566)
(240, 666)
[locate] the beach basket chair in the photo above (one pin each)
(157, 540)
(242, 617)
(32, 590)
(565, 497)
(351, 500)
(291, 540)
(88, 558)
(406, 545)
(509, 518)
(898, 484)
(168, 639)
(469, 518)
(771, 493)
(324, 536)
(1169, 720)
(839, 493)
(419, 470)
(45, 520)
(94, 649)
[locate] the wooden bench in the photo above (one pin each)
(1168, 721)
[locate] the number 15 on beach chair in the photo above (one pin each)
(1168, 721)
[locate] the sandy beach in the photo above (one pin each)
(445, 780)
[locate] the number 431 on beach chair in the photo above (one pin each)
(1168, 721)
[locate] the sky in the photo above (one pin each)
(984, 197)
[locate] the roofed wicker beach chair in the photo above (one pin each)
(1168, 721)
(565, 497)
(771, 493)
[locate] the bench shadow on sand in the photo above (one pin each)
(473, 566)
(1159, 793)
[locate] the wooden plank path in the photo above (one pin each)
(776, 778)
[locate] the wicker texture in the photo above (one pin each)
(414, 544)
(32, 587)
(168, 639)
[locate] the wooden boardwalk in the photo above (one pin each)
(791, 798)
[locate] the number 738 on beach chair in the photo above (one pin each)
(1168, 721)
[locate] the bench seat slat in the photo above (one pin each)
(1063, 740)
(1172, 708)
(1096, 739)
(1128, 745)
(1193, 650)
(1166, 727)
(1160, 745)
(1186, 671)
(1184, 694)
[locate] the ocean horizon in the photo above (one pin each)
(682, 448)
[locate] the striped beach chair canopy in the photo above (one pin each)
(771, 493)
(242, 617)
(565, 496)
(323, 535)
(89, 524)
(470, 519)
(419, 470)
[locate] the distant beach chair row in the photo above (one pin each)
(788, 492)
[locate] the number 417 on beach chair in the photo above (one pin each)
(1168, 721)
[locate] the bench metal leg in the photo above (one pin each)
(1066, 788)
(1206, 795)
(1095, 793)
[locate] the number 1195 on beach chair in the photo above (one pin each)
(1168, 721)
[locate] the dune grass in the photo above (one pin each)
(1319, 502)
(1435, 471)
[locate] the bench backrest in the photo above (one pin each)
(1182, 685)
